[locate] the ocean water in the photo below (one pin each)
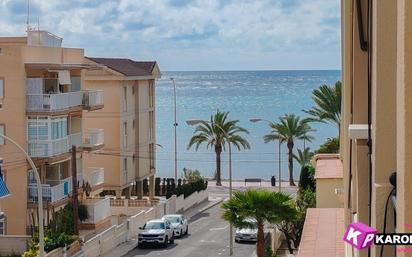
(246, 95)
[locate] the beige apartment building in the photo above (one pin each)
(42, 106)
(376, 130)
(128, 117)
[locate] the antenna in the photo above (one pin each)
(28, 16)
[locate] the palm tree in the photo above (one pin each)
(216, 133)
(260, 205)
(304, 156)
(289, 129)
(328, 104)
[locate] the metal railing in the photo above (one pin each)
(93, 98)
(53, 102)
(75, 139)
(50, 193)
(48, 148)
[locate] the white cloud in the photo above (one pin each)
(168, 30)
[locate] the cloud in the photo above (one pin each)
(229, 34)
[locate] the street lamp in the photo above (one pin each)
(280, 166)
(175, 123)
(196, 122)
(39, 194)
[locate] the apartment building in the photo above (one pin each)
(129, 117)
(376, 131)
(42, 106)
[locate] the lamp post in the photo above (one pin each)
(175, 123)
(279, 154)
(196, 122)
(39, 193)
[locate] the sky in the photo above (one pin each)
(191, 34)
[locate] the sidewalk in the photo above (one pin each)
(123, 249)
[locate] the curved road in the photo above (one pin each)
(208, 237)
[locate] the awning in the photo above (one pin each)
(4, 191)
(64, 77)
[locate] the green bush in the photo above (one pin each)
(157, 186)
(330, 146)
(307, 178)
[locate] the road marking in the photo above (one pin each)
(206, 241)
(214, 229)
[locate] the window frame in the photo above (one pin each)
(3, 90)
(2, 140)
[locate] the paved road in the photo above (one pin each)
(209, 237)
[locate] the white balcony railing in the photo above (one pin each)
(94, 137)
(98, 209)
(93, 98)
(53, 102)
(48, 148)
(51, 193)
(96, 176)
(75, 139)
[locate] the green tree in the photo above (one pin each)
(327, 104)
(289, 129)
(330, 146)
(261, 205)
(214, 134)
(303, 157)
(191, 175)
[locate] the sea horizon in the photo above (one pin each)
(263, 94)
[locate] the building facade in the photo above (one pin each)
(376, 128)
(42, 102)
(129, 116)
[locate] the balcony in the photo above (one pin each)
(53, 191)
(48, 148)
(95, 176)
(98, 209)
(54, 102)
(93, 99)
(94, 139)
(75, 139)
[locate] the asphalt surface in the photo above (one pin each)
(208, 237)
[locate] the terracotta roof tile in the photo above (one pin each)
(126, 66)
(322, 233)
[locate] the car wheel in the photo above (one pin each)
(181, 233)
(187, 230)
(172, 240)
(165, 242)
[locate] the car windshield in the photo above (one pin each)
(154, 225)
(173, 219)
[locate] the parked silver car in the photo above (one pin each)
(247, 234)
(156, 232)
(179, 224)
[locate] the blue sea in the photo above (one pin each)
(246, 95)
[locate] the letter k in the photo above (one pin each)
(353, 236)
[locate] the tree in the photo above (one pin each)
(191, 175)
(304, 156)
(330, 146)
(289, 129)
(260, 205)
(327, 104)
(214, 134)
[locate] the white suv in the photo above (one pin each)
(179, 224)
(156, 232)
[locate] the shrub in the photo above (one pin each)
(157, 186)
(145, 186)
(191, 175)
(330, 146)
(307, 178)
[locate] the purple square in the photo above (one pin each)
(359, 235)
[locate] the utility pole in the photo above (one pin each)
(175, 124)
(75, 198)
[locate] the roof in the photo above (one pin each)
(328, 166)
(126, 66)
(322, 233)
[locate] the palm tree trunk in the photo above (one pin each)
(218, 151)
(260, 247)
(290, 154)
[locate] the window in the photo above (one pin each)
(1, 89)
(124, 134)
(125, 99)
(125, 170)
(2, 224)
(2, 132)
